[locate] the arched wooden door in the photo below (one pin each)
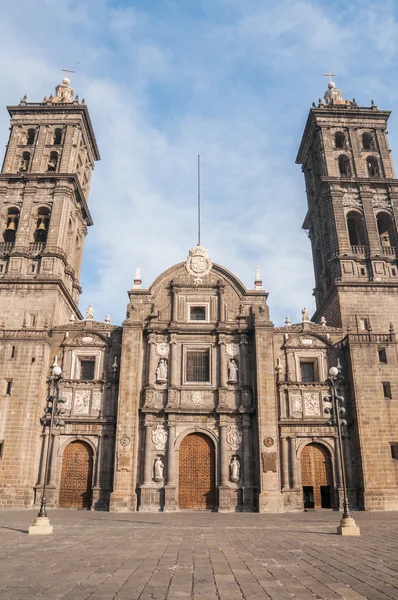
(317, 477)
(76, 476)
(196, 489)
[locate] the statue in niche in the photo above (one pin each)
(233, 371)
(89, 313)
(158, 468)
(161, 371)
(235, 469)
(305, 315)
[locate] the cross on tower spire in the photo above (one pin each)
(329, 74)
(68, 71)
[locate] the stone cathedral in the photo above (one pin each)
(197, 401)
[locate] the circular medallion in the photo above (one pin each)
(268, 442)
(125, 441)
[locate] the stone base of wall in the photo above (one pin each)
(151, 499)
(21, 497)
(100, 499)
(170, 499)
(381, 500)
(270, 502)
(293, 500)
(123, 503)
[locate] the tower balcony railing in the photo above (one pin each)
(36, 247)
(358, 249)
(5, 248)
(389, 250)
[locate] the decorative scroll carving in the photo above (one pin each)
(297, 404)
(222, 396)
(197, 397)
(311, 404)
(151, 396)
(234, 437)
(159, 437)
(173, 397)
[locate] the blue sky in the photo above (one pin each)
(168, 79)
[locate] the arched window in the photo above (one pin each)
(12, 225)
(356, 229)
(339, 140)
(386, 230)
(25, 161)
(42, 225)
(344, 166)
(30, 137)
(367, 141)
(372, 166)
(53, 162)
(57, 137)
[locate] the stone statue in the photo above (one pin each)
(89, 313)
(161, 371)
(235, 469)
(305, 315)
(158, 468)
(233, 371)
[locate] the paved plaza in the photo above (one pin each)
(207, 556)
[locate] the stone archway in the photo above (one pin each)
(76, 476)
(317, 477)
(196, 485)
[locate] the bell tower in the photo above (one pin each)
(44, 186)
(352, 213)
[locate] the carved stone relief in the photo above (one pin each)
(234, 437)
(297, 404)
(159, 437)
(162, 349)
(96, 400)
(311, 404)
(232, 350)
(197, 398)
(82, 402)
(173, 397)
(68, 395)
(245, 398)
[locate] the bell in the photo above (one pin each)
(11, 225)
(42, 226)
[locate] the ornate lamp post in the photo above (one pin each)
(41, 525)
(347, 524)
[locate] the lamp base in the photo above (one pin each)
(348, 527)
(41, 526)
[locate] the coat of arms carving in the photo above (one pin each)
(234, 437)
(159, 437)
(198, 263)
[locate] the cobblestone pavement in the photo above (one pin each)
(205, 556)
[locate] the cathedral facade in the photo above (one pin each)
(198, 402)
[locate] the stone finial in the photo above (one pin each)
(305, 315)
(323, 321)
(258, 282)
(23, 100)
(72, 318)
(63, 91)
(288, 321)
(115, 366)
(391, 328)
(339, 365)
(107, 319)
(89, 313)
(137, 279)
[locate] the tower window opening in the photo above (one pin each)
(344, 166)
(42, 225)
(367, 141)
(9, 387)
(339, 140)
(385, 229)
(382, 355)
(53, 162)
(372, 166)
(57, 137)
(355, 228)
(12, 225)
(394, 450)
(25, 160)
(386, 389)
(30, 137)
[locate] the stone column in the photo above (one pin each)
(148, 453)
(223, 363)
(170, 488)
(151, 376)
(247, 466)
(285, 464)
(174, 380)
(243, 360)
(174, 300)
(96, 477)
(221, 303)
(223, 455)
(293, 463)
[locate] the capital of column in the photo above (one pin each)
(173, 338)
(148, 422)
(243, 339)
(171, 421)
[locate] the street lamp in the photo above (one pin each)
(347, 524)
(41, 525)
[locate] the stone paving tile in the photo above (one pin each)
(204, 556)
